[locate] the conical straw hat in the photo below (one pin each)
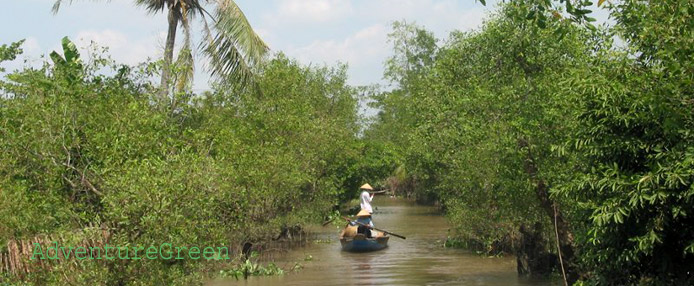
(366, 187)
(363, 213)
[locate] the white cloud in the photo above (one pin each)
(121, 47)
(309, 11)
(31, 46)
(361, 47)
(320, 31)
(124, 49)
(438, 16)
(364, 51)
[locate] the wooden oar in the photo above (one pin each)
(370, 227)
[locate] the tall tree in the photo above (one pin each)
(229, 40)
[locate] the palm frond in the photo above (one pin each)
(56, 6)
(153, 6)
(208, 39)
(233, 22)
(235, 49)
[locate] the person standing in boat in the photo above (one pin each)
(366, 198)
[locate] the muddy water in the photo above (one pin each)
(419, 260)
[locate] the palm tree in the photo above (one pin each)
(229, 41)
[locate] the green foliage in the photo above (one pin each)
(9, 53)
(512, 125)
(414, 52)
(472, 102)
(633, 130)
(507, 123)
(80, 147)
(541, 12)
(249, 268)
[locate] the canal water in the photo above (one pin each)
(421, 259)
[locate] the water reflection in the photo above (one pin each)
(419, 260)
(361, 263)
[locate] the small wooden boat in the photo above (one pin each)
(358, 242)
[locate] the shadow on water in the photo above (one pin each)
(419, 260)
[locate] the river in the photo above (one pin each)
(421, 259)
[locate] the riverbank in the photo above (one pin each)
(420, 259)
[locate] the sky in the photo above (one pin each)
(314, 32)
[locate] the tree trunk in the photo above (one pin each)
(552, 210)
(168, 53)
(531, 254)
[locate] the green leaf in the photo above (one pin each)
(70, 50)
(57, 58)
(530, 15)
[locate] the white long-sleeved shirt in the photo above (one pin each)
(365, 199)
